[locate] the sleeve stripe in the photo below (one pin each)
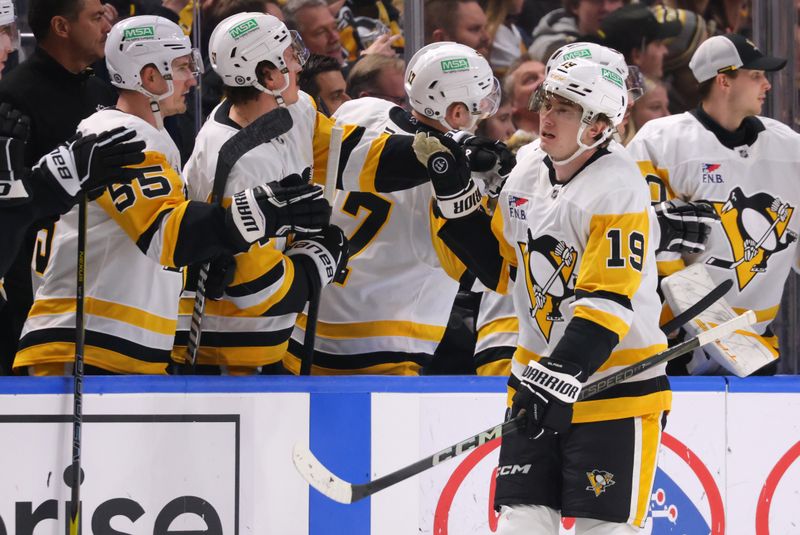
(146, 237)
(621, 300)
(266, 280)
(264, 299)
(617, 322)
(349, 144)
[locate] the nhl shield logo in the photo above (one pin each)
(550, 264)
(757, 226)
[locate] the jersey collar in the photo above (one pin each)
(551, 170)
(746, 134)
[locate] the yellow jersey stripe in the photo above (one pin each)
(604, 319)
(382, 328)
(106, 309)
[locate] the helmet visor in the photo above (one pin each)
(634, 83)
(299, 49)
(490, 103)
(188, 66)
(543, 99)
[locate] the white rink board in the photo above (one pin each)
(728, 462)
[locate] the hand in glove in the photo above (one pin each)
(277, 209)
(489, 160)
(85, 163)
(548, 388)
(220, 275)
(456, 193)
(685, 226)
(14, 129)
(327, 250)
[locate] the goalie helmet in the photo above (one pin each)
(136, 42)
(442, 74)
(240, 42)
(597, 89)
(602, 55)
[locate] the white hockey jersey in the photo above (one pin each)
(243, 329)
(390, 312)
(585, 249)
(497, 330)
(131, 298)
(754, 188)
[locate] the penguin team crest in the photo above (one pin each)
(549, 278)
(757, 227)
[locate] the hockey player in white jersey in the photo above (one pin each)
(254, 56)
(574, 222)
(389, 312)
(138, 234)
(722, 152)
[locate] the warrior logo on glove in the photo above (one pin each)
(757, 226)
(549, 278)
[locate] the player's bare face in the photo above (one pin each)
(5, 46)
(183, 80)
(748, 92)
(88, 31)
(559, 121)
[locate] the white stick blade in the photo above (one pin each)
(319, 477)
(724, 329)
(334, 154)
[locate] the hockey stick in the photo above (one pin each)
(77, 395)
(335, 488)
(706, 301)
(331, 177)
(732, 264)
(262, 130)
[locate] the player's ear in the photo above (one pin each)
(457, 115)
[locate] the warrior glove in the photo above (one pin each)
(548, 388)
(489, 160)
(684, 226)
(456, 193)
(326, 250)
(275, 210)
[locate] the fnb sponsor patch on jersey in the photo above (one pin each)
(244, 28)
(455, 65)
(582, 53)
(710, 175)
(139, 32)
(612, 77)
(516, 207)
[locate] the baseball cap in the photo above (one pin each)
(729, 52)
(634, 25)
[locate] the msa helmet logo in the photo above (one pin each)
(709, 174)
(455, 65)
(140, 32)
(612, 77)
(244, 28)
(582, 53)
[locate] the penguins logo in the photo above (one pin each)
(548, 278)
(599, 481)
(756, 228)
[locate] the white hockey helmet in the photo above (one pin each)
(240, 42)
(136, 42)
(8, 22)
(606, 56)
(597, 89)
(442, 74)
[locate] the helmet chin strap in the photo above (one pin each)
(155, 99)
(582, 147)
(276, 93)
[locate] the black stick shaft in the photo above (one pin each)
(77, 405)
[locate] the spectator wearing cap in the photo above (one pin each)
(379, 77)
(722, 152)
(563, 26)
(322, 78)
(635, 31)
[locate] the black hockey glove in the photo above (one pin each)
(684, 226)
(277, 209)
(327, 250)
(547, 390)
(457, 195)
(220, 275)
(86, 163)
(489, 160)
(14, 130)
